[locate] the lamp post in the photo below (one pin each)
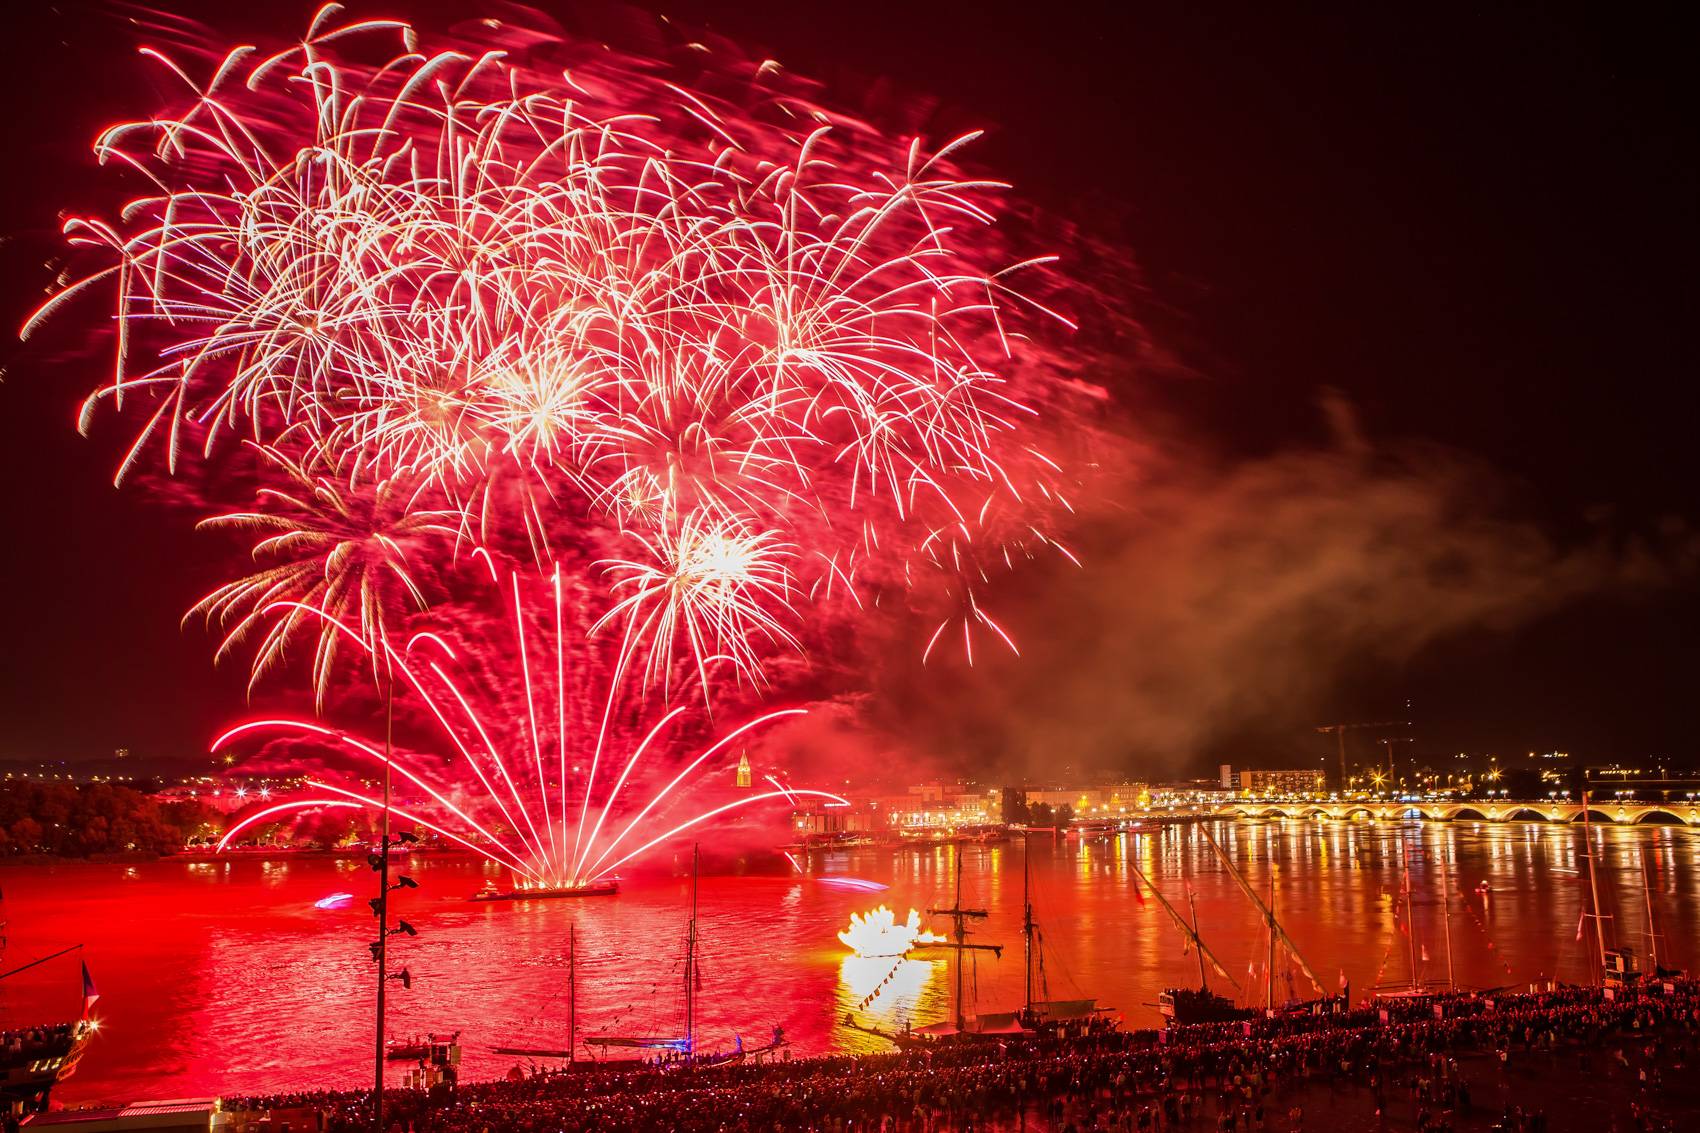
(380, 863)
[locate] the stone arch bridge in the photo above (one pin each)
(1684, 813)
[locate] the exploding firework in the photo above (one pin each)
(877, 933)
(519, 788)
(742, 369)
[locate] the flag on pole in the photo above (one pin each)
(90, 992)
(1580, 921)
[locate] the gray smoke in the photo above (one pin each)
(1223, 596)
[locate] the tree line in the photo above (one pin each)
(78, 820)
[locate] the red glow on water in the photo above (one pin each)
(222, 976)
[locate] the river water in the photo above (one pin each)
(224, 977)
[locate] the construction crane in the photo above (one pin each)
(1340, 731)
(1392, 757)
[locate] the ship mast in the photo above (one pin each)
(1446, 917)
(1269, 971)
(1652, 935)
(1410, 921)
(691, 956)
(1027, 926)
(1188, 931)
(1593, 884)
(572, 989)
(959, 938)
(1192, 903)
(1268, 913)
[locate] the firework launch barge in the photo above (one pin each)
(545, 892)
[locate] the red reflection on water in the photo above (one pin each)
(223, 977)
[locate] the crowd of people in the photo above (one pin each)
(36, 1042)
(1230, 1076)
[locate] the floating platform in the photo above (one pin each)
(548, 892)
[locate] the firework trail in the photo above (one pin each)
(739, 368)
(502, 783)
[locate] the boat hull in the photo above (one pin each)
(27, 1079)
(1184, 1005)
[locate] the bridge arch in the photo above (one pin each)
(1355, 810)
(1526, 814)
(1659, 816)
(1468, 813)
(1593, 815)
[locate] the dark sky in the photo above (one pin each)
(1479, 225)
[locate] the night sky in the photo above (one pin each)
(1479, 227)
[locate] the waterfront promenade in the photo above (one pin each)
(1567, 1060)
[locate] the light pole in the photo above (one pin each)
(380, 863)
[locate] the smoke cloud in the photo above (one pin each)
(1219, 597)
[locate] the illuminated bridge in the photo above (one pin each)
(1684, 813)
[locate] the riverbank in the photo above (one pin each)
(1572, 1059)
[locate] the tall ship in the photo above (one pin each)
(1035, 1015)
(1186, 1005)
(1189, 1004)
(672, 1048)
(34, 1059)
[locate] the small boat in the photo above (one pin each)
(419, 1048)
(436, 1059)
(491, 892)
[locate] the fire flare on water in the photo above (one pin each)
(877, 934)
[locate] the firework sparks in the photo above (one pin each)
(726, 369)
(604, 314)
(522, 818)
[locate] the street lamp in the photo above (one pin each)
(380, 863)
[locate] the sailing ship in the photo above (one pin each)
(568, 1051)
(1199, 1004)
(681, 1050)
(1618, 966)
(35, 1059)
(1417, 987)
(1034, 1015)
(1277, 937)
